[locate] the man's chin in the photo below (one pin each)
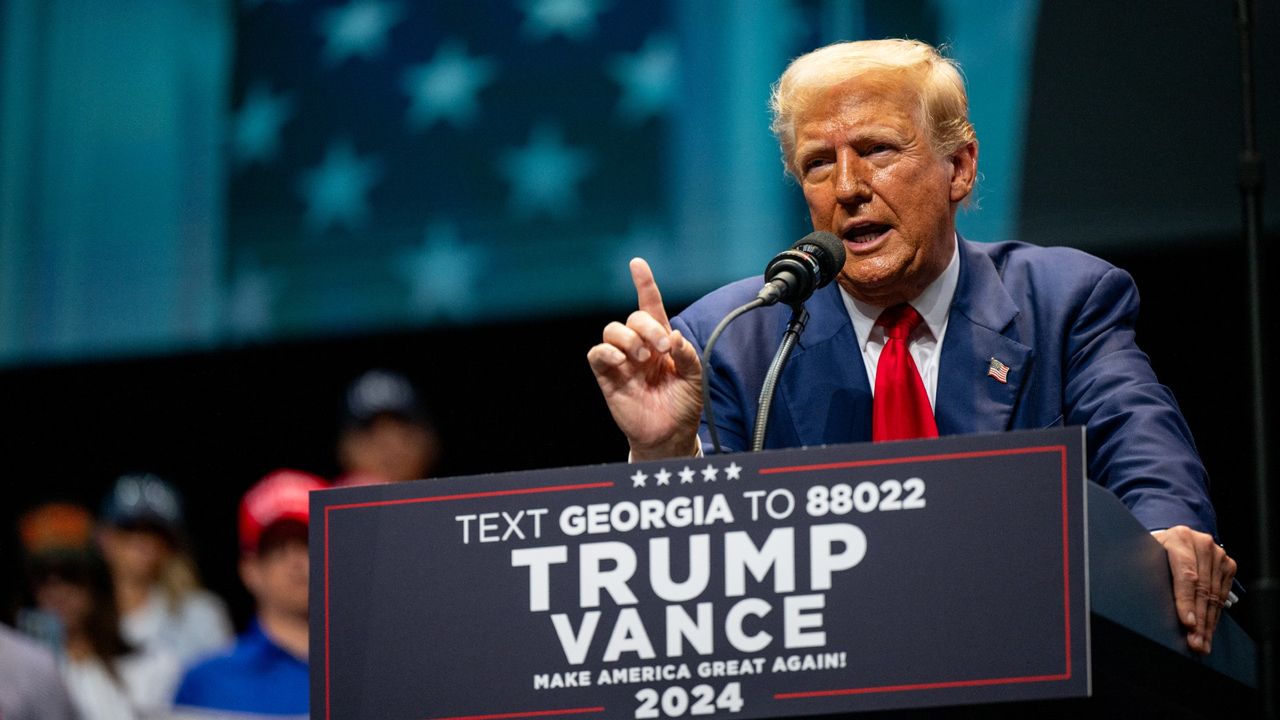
(877, 288)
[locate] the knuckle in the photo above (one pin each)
(639, 317)
(619, 336)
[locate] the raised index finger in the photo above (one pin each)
(647, 295)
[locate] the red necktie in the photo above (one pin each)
(900, 409)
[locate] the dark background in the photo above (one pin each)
(1134, 128)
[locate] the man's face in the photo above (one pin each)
(390, 449)
(277, 576)
(871, 177)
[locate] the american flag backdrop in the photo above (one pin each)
(410, 162)
(400, 161)
(194, 175)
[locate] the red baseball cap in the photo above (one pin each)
(281, 495)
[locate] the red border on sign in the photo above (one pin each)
(1066, 574)
(1066, 591)
(443, 498)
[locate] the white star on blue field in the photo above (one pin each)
(257, 124)
(358, 29)
(544, 174)
(572, 19)
(445, 87)
(442, 272)
(336, 190)
(647, 77)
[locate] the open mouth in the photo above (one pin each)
(865, 233)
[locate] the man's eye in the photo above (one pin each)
(879, 148)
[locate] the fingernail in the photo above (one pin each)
(663, 345)
(643, 354)
(1191, 617)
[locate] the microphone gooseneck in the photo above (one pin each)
(795, 326)
(791, 276)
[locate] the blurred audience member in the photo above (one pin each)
(107, 678)
(386, 433)
(31, 687)
(265, 673)
(156, 586)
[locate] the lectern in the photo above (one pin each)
(973, 576)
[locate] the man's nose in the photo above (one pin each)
(850, 187)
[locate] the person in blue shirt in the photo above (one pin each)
(265, 673)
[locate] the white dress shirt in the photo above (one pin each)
(934, 305)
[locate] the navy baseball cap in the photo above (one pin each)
(381, 392)
(143, 500)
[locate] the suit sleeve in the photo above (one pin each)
(1139, 444)
(726, 396)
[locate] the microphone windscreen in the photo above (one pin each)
(827, 250)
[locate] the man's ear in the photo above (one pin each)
(964, 170)
(250, 573)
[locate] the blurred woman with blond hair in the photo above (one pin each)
(157, 589)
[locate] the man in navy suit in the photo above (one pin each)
(1004, 336)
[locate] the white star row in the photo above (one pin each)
(732, 471)
(442, 272)
(360, 27)
(544, 176)
(446, 89)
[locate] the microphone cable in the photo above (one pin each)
(706, 368)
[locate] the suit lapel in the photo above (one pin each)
(979, 328)
(825, 385)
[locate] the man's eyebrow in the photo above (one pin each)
(811, 145)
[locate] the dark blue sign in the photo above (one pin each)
(782, 583)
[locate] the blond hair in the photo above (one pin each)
(944, 106)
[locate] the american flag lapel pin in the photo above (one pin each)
(998, 370)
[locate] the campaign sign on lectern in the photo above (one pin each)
(782, 583)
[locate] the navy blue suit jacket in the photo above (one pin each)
(1062, 320)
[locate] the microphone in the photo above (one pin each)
(793, 274)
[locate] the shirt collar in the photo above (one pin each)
(257, 637)
(933, 304)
